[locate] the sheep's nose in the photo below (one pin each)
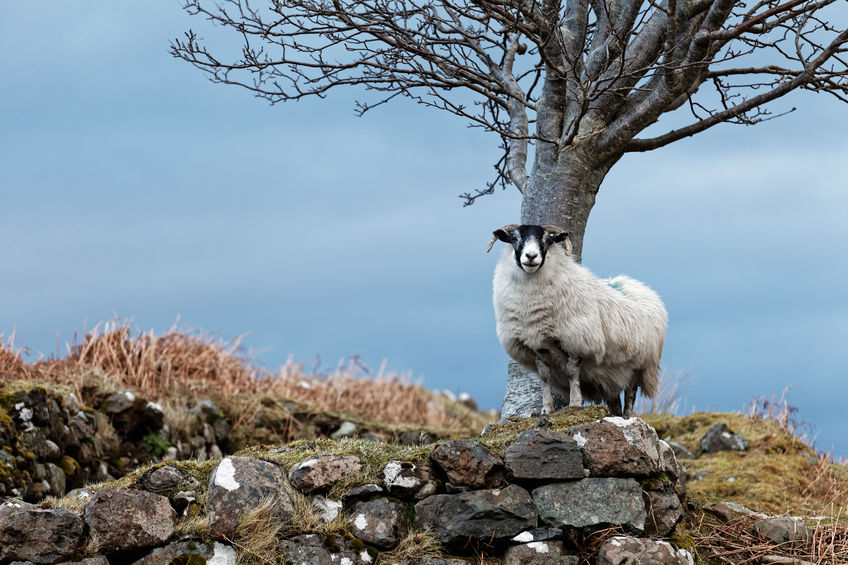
(531, 256)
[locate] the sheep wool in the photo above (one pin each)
(613, 329)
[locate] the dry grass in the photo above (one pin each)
(179, 364)
(736, 542)
(670, 399)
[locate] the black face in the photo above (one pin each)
(531, 244)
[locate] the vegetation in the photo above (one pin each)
(778, 474)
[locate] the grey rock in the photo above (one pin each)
(327, 508)
(783, 529)
(364, 491)
(544, 455)
(181, 552)
(621, 549)
(377, 522)
(319, 473)
(123, 518)
(538, 553)
(680, 450)
(591, 503)
(406, 480)
(54, 476)
(346, 429)
(222, 430)
(313, 549)
(721, 438)
(435, 561)
(207, 409)
(480, 515)
(466, 463)
(728, 511)
(96, 560)
(239, 485)
(538, 534)
(523, 396)
(165, 479)
(663, 508)
(183, 501)
(415, 438)
(616, 447)
(28, 533)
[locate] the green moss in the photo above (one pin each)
(331, 544)
(155, 444)
(190, 559)
(69, 465)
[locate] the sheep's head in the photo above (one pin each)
(531, 243)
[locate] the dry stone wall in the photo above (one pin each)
(534, 505)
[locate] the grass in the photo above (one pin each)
(181, 366)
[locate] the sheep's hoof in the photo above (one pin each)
(543, 423)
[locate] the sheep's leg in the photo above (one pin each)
(572, 371)
(629, 398)
(544, 371)
(614, 404)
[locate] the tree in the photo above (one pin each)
(576, 81)
(579, 81)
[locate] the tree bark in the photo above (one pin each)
(562, 191)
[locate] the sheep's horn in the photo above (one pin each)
(507, 228)
(553, 229)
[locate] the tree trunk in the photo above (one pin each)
(561, 192)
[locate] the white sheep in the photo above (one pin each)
(592, 337)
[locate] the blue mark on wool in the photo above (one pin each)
(617, 286)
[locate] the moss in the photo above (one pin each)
(331, 543)
(190, 559)
(69, 465)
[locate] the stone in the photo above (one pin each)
(538, 534)
(523, 397)
(407, 480)
(465, 462)
(680, 450)
(434, 561)
(239, 485)
(120, 518)
(183, 501)
(96, 560)
(544, 455)
(326, 508)
(618, 550)
(616, 447)
(538, 553)
(592, 503)
(728, 511)
(783, 529)
(165, 479)
(664, 510)
(415, 438)
(346, 429)
(364, 491)
(377, 522)
(182, 552)
(319, 473)
(40, 535)
(133, 417)
(313, 549)
(54, 476)
(720, 438)
(479, 515)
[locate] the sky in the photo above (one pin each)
(132, 187)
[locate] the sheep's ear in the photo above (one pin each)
(503, 234)
(560, 237)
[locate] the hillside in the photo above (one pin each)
(197, 399)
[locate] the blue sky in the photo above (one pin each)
(131, 186)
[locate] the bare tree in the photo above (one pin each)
(578, 81)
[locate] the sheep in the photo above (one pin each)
(554, 317)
